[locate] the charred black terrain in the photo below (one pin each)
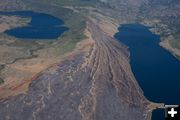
(99, 86)
(96, 84)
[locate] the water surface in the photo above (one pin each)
(42, 26)
(155, 69)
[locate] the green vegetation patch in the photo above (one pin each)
(74, 21)
(1, 81)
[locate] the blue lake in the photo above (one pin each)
(42, 26)
(155, 69)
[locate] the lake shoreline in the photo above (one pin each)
(49, 28)
(174, 51)
(159, 28)
(144, 60)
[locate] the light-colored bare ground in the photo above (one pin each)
(109, 26)
(158, 29)
(8, 22)
(19, 75)
(96, 86)
(165, 44)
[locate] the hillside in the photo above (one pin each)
(162, 15)
(22, 60)
(85, 74)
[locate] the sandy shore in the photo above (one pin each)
(174, 51)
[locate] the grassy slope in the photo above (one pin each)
(164, 12)
(74, 21)
(1, 81)
(66, 43)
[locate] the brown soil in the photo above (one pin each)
(96, 84)
(166, 45)
(8, 22)
(19, 75)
